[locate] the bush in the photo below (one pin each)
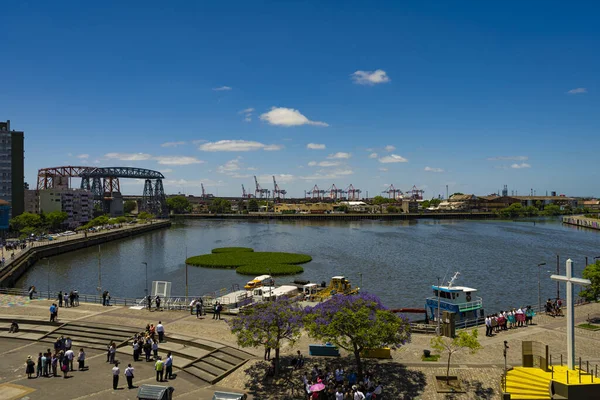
(231, 250)
(271, 269)
(254, 263)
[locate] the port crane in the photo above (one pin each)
(278, 193)
(245, 195)
(314, 193)
(415, 193)
(335, 193)
(392, 192)
(204, 194)
(259, 192)
(353, 193)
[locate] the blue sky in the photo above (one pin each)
(466, 94)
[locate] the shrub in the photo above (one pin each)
(271, 269)
(231, 250)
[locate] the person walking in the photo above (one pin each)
(30, 369)
(81, 360)
(192, 306)
(159, 366)
(115, 372)
(136, 350)
(52, 310)
(104, 294)
(149, 301)
(129, 376)
(218, 308)
(155, 349)
(160, 329)
(157, 300)
(111, 352)
(31, 292)
(60, 299)
(199, 308)
(169, 367)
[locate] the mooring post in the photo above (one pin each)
(561, 360)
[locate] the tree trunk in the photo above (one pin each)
(448, 369)
(359, 369)
(276, 371)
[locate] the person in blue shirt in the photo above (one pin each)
(52, 312)
(169, 367)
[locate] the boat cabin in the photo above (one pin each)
(268, 293)
(460, 300)
(262, 280)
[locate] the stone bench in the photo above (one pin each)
(323, 350)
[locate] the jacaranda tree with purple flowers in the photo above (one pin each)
(268, 324)
(356, 323)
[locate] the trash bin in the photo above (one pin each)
(155, 392)
(229, 396)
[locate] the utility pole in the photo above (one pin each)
(99, 270)
(186, 274)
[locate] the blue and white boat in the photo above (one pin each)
(460, 300)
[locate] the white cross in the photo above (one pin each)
(568, 278)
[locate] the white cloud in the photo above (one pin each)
(222, 88)
(373, 155)
(248, 118)
(383, 169)
(172, 144)
(324, 164)
(238, 145)
(282, 116)
(578, 90)
(177, 160)
(519, 166)
(280, 178)
(195, 183)
(252, 169)
(389, 148)
(392, 158)
(198, 141)
(273, 147)
(128, 156)
(509, 158)
(431, 169)
(230, 166)
(339, 155)
(83, 156)
(328, 174)
(315, 146)
(246, 111)
(370, 77)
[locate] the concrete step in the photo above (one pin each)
(80, 342)
(89, 326)
(241, 355)
(107, 336)
(208, 368)
(203, 375)
(202, 343)
(27, 327)
(224, 366)
(232, 361)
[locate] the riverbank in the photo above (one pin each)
(25, 258)
(340, 217)
(584, 222)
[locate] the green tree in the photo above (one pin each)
(268, 325)
(145, 216)
(343, 208)
(219, 206)
(551, 210)
(592, 272)
(435, 202)
(379, 201)
(512, 211)
(392, 209)
(463, 340)
(129, 206)
(55, 219)
(179, 204)
(426, 204)
(457, 193)
(531, 211)
(356, 323)
(25, 220)
(252, 205)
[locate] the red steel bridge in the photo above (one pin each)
(103, 182)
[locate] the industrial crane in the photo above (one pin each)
(203, 192)
(259, 192)
(392, 192)
(415, 194)
(277, 192)
(314, 192)
(353, 194)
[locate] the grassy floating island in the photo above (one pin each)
(246, 261)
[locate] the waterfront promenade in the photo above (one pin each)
(406, 376)
(582, 221)
(18, 260)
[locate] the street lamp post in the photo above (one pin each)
(540, 288)
(186, 274)
(146, 289)
(48, 276)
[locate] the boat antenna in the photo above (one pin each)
(445, 275)
(453, 279)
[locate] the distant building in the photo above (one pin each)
(494, 203)
(12, 178)
(4, 215)
(591, 204)
(32, 201)
(356, 206)
(77, 203)
(304, 208)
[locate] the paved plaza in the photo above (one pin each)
(481, 371)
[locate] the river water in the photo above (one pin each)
(398, 260)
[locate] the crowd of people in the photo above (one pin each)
(510, 319)
(339, 384)
(553, 307)
(148, 343)
(49, 363)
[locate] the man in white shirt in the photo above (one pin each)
(70, 355)
(129, 376)
(160, 329)
(116, 371)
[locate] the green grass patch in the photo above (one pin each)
(249, 262)
(433, 357)
(589, 327)
(232, 250)
(270, 269)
